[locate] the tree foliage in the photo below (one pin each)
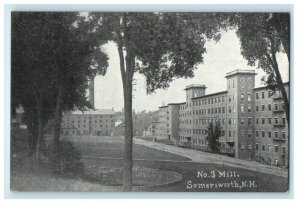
(214, 132)
(262, 36)
(162, 47)
(53, 56)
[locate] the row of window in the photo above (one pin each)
(90, 126)
(85, 121)
(261, 95)
(269, 134)
(268, 148)
(276, 121)
(276, 107)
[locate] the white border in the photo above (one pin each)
(295, 85)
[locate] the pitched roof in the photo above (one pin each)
(95, 112)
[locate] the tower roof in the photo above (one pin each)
(238, 71)
(195, 86)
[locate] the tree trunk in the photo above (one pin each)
(281, 86)
(58, 117)
(128, 162)
(40, 127)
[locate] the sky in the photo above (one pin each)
(221, 57)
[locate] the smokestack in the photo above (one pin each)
(91, 91)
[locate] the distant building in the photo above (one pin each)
(99, 122)
(252, 119)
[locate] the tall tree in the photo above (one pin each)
(214, 132)
(262, 37)
(162, 47)
(53, 55)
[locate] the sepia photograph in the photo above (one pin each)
(149, 101)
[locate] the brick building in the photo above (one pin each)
(99, 122)
(252, 119)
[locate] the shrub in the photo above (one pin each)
(65, 159)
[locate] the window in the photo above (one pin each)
(282, 106)
(242, 96)
(242, 133)
(262, 107)
(242, 146)
(269, 148)
(283, 135)
(256, 133)
(269, 107)
(269, 94)
(262, 133)
(242, 108)
(262, 95)
(283, 121)
(233, 97)
(249, 121)
(276, 120)
(269, 134)
(256, 146)
(249, 108)
(242, 121)
(229, 109)
(234, 121)
(276, 135)
(263, 147)
(283, 150)
(276, 148)
(262, 120)
(276, 107)
(229, 98)
(249, 133)
(256, 108)
(229, 133)
(256, 95)
(249, 97)
(257, 120)
(229, 121)
(223, 109)
(250, 146)
(233, 108)
(269, 120)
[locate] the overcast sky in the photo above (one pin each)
(221, 57)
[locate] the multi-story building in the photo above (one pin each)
(271, 129)
(93, 122)
(252, 119)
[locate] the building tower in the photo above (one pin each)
(240, 112)
(91, 91)
(192, 91)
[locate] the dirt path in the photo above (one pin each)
(205, 157)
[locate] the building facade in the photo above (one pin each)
(252, 119)
(93, 122)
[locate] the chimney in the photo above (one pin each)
(91, 91)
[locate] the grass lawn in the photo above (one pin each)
(27, 175)
(115, 150)
(264, 182)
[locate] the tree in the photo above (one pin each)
(53, 55)
(262, 37)
(214, 132)
(162, 47)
